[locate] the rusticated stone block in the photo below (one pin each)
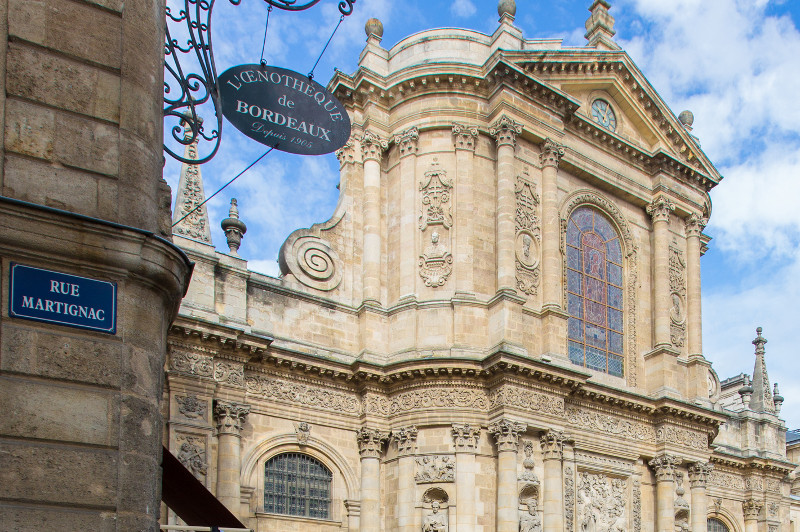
(34, 519)
(55, 186)
(36, 351)
(37, 472)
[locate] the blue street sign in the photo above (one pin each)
(64, 299)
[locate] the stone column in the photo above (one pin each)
(406, 441)
(552, 443)
(505, 132)
(694, 228)
(506, 434)
(372, 147)
(407, 146)
(664, 467)
(230, 417)
(751, 509)
(660, 210)
(464, 138)
(698, 477)
(465, 442)
(551, 255)
(369, 447)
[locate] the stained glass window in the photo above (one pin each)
(715, 525)
(594, 292)
(297, 484)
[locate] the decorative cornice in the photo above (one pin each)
(465, 437)
(551, 153)
(506, 433)
(370, 442)
(660, 209)
(505, 131)
(408, 141)
(664, 465)
(465, 136)
(230, 416)
(372, 146)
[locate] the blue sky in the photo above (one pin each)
(734, 63)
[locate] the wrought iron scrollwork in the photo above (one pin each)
(191, 75)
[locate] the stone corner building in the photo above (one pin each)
(499, 329)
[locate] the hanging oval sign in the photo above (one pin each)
(284, 109)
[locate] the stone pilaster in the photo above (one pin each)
(506, 434)
(751, 509)
(660, 210)
(664, 466)
(230, 417)
(552, 443)
(370, 442)
(407, 144)
(694, 228)
(698, 478)
(405, 439)
(554, 323)
(465, 443)
(505, 131)
(464, 139)
(372, 148)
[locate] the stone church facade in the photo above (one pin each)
(499, 329)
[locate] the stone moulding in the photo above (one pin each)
(632, 430)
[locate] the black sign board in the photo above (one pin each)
(283, 108)
(64, 299)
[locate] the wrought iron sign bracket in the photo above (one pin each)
(191, 75)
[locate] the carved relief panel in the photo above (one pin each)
(435, 468)
(677, 294)
(436, 261)
(528, 235)
(192, 451)
(602, 503)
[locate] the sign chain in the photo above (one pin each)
(311, 74)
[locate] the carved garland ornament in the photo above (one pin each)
(299, 394)
(688, 438)
(191, 363)
(528, 236)
(632, 430)
(588, 197)
(426, 400)
(536, 402)
(677, 291)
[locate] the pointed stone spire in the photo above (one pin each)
(600, 26)
(762, 394)
(190, 195)
(234, 228)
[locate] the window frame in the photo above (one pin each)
(307, 484)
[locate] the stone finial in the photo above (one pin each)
(600, 26)
(234, 228)
(746, 391)
(506, 10)
(687, 119)
(374, 28)
(777, 399)
(190, 221)
(762, 400)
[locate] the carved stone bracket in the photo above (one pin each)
(664, 465)
(407, 142)
(372, 146)
(465, 136)
(505, 131)
(506, 433)
(694, 225)
(230, 416)
(370, 442)
(552, 443)
(751, 509)
(405, 439)
(660, 209)
(465, 437)
(551, 153)
(699, 472)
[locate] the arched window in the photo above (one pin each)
(715, 525)
(297, 484)
(594, 292)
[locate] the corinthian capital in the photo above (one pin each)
(551, 153)
(694, 225)
(506, 433)
(405, 438)
(505, 131)
(347, 153)
(664, 465)
(465, 436)
(407, 141)
(230, 416)
(751, 509)
(372, 146)
(465, 136)
(552, 443)
(699, 473)
(370, 442)
(660, 208)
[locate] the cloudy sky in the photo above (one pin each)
(734, 63)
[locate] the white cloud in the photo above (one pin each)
(463, 8)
